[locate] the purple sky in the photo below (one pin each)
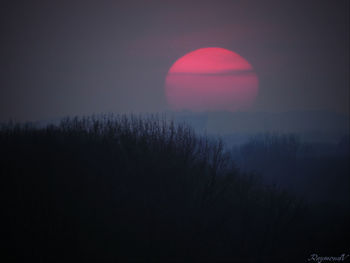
(60, 58)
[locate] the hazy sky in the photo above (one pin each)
(67, 57)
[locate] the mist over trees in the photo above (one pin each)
(318, 172)
(125, 188)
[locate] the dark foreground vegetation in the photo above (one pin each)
(126, 188)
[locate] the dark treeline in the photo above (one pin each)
(317, 171)
(127, 188)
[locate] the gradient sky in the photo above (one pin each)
(80, 57)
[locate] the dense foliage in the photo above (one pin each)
(131, 188)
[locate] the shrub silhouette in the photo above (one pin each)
(121, 188)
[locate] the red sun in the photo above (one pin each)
(210, 79)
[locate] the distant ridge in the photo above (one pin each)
(312, 125)
(237, 127)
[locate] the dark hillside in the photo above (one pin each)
(126, 188)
